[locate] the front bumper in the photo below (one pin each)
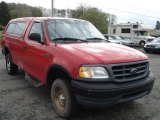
(93, 94)
(152, 49)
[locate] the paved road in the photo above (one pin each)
(19, 100)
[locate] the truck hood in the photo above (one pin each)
(147, 37)
(102, 53)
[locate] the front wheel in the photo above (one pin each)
(147, 51)
(10, 66)
(142, 43)
(62, 98)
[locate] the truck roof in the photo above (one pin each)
(39, 18)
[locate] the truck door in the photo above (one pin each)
(36, 59)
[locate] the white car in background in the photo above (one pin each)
(110, 39)
(153, 46)
(123, 40)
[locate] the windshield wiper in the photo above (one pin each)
(69, 39)
(96, 38)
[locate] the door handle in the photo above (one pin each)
(24, 47)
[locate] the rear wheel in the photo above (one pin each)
(62, 98)
(10, 66)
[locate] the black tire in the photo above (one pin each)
(147, 51)
(63, 102)
(142, 43)
(11, 68)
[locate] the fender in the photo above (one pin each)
(56, 66)
(5, 50)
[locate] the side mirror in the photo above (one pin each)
(35, 37)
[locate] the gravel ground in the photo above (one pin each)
(19, 100)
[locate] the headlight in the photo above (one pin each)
(157, 46)
(145, 45)
(93, 72)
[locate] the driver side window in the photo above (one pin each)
(37, 28)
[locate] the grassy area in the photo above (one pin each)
(154, 32)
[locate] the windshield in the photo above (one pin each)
(69, 28)
(117, 37)
(141, 33)
(122, 37)
(110, 38)
(113, 37)
(156, 40)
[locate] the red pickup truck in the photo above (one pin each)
(76, 62)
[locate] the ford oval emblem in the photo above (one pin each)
(134, 71)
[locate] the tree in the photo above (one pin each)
(23, 10)
(61, 12)
(96, 17)
(4, 13)
(36, 12)
(113, 19)
(78, 11)
(157, 25)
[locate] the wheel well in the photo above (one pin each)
(6, 50)
(142, 41)
(55, 73)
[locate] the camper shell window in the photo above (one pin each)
(114, 31)
(135, 26)
(124, 30)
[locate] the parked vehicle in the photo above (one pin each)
(154, 46)
(136, 32)
(156, 36)
(72, 58)
(123, 40)
(110, 39)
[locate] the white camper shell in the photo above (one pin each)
(134, 31)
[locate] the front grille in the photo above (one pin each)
(130, 71)
(151, 46)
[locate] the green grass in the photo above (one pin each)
(154, 32)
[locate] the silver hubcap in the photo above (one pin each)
(8, 64)
(142, 44)
(60, 99)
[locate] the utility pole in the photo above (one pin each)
(109, 25)
(132, 32)
(52, 7)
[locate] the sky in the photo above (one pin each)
(143, 11)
